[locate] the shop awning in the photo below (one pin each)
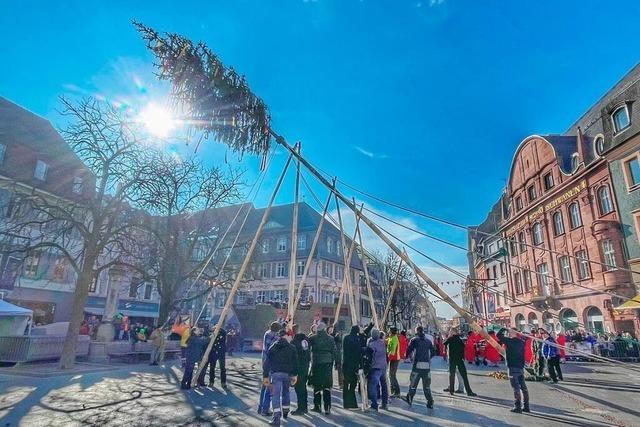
(632, 304)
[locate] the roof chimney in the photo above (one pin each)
(581, 158)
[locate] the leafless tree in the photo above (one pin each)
(181, 194)
(406, 293)
(97, 232)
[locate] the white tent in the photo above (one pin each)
(14, 320)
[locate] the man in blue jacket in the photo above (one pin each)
(514, 350)
(279, 372)
(552, 354)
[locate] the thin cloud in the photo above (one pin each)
(369, 154)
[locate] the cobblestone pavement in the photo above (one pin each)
(136, 395)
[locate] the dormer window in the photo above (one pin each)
(575, 162)
(77, 185)
(620, 118)
(599, 144)
(40, 171)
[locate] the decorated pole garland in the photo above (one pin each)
(218, 102)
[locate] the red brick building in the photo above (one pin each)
(565, 237)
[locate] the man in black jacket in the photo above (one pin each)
(421, 350)
(351, 363)
(514, 350)
(196, 346)
(279, 371)
(301, 343)
(216, 355)
(456, 360)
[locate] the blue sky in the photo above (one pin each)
(420, 102)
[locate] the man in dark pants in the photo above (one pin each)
(217, 355)
(351, 363)
(195, 347)
(514, 350)
(279, 373)
(456, 360)
(393, 354)
(301, 343)
(422, 350)
(552, 354)
(323, 355)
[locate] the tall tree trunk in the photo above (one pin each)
(86, 277)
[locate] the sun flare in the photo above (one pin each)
(157, 120)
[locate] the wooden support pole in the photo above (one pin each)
(372, 303)
(391, 294)
(294, 243)
(445, 297)
(307, 265)
(238, 280)
(346, 277)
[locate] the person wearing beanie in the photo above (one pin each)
(351, 363)
(323, 356)
(279, 372)
(378, 370)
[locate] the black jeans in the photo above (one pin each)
(301, 392)
(322, 383)
(414, 379)
(459, 363)
(516, 378)
(393, 370)
(213, 359)
(554, 368)
(188, 375)
(349, 389)
(540, 372)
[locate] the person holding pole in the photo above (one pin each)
(351, 364)
(515, 344)
(270, 337)
(422, 351)
(301, 343)
(323, 355)
(456, 362)
(279, 372)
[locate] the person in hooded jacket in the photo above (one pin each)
(377, 376)
(196, 345)
(422, 350)
(303, 351)
(279, 372)
(351, 363)
(323, 355)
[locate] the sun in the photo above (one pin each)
(157, 120)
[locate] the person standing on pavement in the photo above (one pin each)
(422, 350)
(337, 337)
(404, 343)
(196, 345)
(184, 337)
(551, 353)
(514, 350)
(456, 348)
(377, 376)
(393, 352)
(157, 345)
(217, 355)
(323, 355)
(301, 343)
(279, 372)
(351, 364)
(270, 337)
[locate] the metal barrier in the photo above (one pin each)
(33, 348)
(621, 349)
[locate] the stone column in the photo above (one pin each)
(106, 330)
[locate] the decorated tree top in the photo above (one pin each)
(208, 96)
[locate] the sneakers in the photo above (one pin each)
(516, 410)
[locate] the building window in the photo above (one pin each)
(77, 185)
(565, 269)
(604, 200)
(620, 118)
(609, 255)
(558, 224)
(148, 289)
(3, 150)
(512, 246)
(265, 246)
(574, 215)
(338, 248)
(491, 249)
(583, 265)
(488, 273)
(518, 283)
(531, 192)
(302, 242)
(339, 272)
(60, 270)
(300, 268)
(632, 172)
(599, 144)
(502, 269)
(133, 287)
(537, 234)
(527, 280)
(548, 181)
(543, 278)
(282, 244)
(327, 269)
(522, 239)
(281, 269)
(519, 203)
(265, 270)
(40, 172)
(575, 162)
(495, 271)
(329, 245)
(31, 264)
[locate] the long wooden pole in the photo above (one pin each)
(294, 244)
(445, 297)
(391, 294)
(346, 277)
(307, 265)
(372, 303)
(238, 280)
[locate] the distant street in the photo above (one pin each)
(136, 395)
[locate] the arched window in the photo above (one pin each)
(522, 239)
(558, 223)
(575, 162)
(520, 322)
(620, 118)
(604, 200)
(537, 234)
(599, 144)
(547, 321)
(569, 319)
(595, 320)
(574, 214)
(533, 319)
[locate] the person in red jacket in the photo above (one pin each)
(470, 347)
(562, 340)
(403, 344)
(491, 354)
